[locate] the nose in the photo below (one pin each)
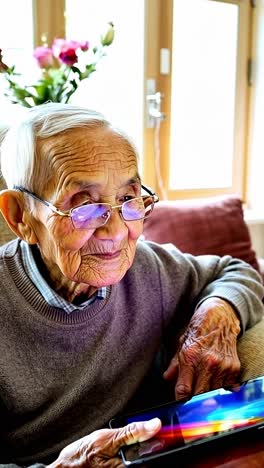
(114, 229)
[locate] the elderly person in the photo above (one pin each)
(86, 307)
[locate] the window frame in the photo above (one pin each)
(49, 21)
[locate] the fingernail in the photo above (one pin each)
(152, 424)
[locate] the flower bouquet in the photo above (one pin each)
(63, 66)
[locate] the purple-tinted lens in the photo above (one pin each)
(90, 216)
(137, 208)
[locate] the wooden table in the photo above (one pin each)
(243, 455)
(250, 455)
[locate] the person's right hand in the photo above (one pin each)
(100, 448)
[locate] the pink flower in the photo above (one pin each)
(66, 50)
(58, 45)
(60, 72)
(84, 45)
(44, 57)
(68, 57)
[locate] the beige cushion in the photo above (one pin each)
(5, 232)
(251, 352)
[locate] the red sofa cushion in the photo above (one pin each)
(207, 226)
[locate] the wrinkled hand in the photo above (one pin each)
(100, 448)
(207, 358)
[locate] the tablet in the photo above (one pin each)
(206, 418)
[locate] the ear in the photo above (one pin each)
(13, 209)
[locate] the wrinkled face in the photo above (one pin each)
(94, 166)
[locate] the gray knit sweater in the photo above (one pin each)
(63, 376)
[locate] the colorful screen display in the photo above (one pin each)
(203, 417)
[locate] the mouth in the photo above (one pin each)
(107, 256)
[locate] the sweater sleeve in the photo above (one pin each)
(191, 279)
(240, 285)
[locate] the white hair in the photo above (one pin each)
(18, 148)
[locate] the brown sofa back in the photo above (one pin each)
(207, 226)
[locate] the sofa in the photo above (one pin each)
(212, 226)
(208, 226)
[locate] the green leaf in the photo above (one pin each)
(76, 70)
(88, 70)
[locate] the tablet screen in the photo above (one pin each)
(201, 418)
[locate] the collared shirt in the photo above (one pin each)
(52, 298)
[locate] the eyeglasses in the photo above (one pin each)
(95, 215)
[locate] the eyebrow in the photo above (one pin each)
(93, 185)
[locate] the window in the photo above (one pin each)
(204, 73)
(202, 145)
(117, 87)
(16, 43)
(203, 140)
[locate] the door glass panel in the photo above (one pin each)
(16, 42)
(204, 61)
(16, 36)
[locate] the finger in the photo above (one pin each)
(151, 446)
(202, 381)
(218, 379)
(217, 382)
(135, 432)
(226, 378)
(202, 385)
(115, 462)
(172, 371)
(185, 383)
(212, 378)
(230, 380)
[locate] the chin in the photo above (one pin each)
(105, 280)
(103, 274)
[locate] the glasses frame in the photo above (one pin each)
(68, 214)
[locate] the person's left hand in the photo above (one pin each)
(207, 357)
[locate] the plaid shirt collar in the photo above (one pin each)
(50, 296)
